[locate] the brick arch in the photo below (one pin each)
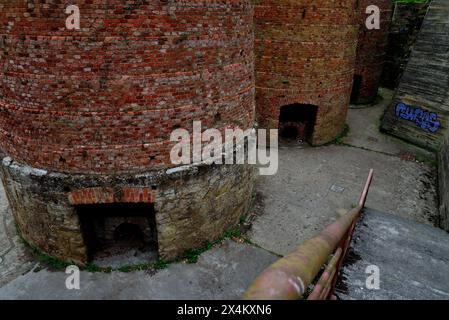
(110, 195)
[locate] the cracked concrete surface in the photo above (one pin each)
(299, 200)
(222, 273)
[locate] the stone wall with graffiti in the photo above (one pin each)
(420, 109)
(424, 119)
(443, 182)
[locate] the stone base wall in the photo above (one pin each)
(443, 182)
(192, 204)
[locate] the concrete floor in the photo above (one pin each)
(222, 273)
(312, 188)
(315, 185)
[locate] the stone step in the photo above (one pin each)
(413, 260)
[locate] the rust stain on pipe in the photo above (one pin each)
(290, 276)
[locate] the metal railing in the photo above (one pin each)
(289, 277)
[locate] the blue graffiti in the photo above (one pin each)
(426, 120)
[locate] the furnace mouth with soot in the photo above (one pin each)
(119, 230)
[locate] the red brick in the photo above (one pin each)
(105, 99)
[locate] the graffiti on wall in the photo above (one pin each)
(424, 119)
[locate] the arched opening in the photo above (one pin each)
(119, 233)
(356, 86)
(297, 121)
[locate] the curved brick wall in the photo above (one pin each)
(86, 115)
(305, 53)
(371, 51)
(106, 98)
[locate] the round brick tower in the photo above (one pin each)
(371, 52)
(305, 55)
(86, 117)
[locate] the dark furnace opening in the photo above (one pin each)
(297, 121)
(357, 84)
(120, 233)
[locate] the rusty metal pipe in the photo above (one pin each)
(289, 277)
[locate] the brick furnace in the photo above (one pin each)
(305, 54)
(86, 117)
(371, 52)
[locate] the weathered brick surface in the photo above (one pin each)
(371, 50)
(106, 98)
(93, 110)
(305, 53)
(109, 195)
